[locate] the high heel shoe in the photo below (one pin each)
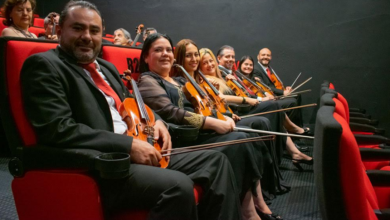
(272, 216)
(297, 163)
(306, 132)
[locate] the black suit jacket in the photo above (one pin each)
(65, 107)
(259, 72)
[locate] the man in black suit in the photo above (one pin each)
(262, 70)
(71, 98)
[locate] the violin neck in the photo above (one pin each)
(133, 44)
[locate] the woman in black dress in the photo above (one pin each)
(164, 95)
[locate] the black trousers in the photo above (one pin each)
(168, 193)
(276, 121)
(295, 115)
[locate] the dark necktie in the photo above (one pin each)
(101, 84)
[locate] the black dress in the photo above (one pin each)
(249, 161)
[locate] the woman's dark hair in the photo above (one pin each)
(9, 5)
(246, 57)
(144, 67)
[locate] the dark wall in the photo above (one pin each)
(345, 42)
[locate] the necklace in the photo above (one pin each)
(27, 35)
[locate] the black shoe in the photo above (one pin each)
(272, 216)
(302, 149)
(297, 163)
(306, 132)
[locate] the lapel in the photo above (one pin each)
(264, 75)
(115, 85)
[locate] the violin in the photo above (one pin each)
(138, 31)
(53, 30)
(140, 119)
(251, 85)
(213, 93)
(264, 87)
(202, 103)
(276, 80)
(238, 89)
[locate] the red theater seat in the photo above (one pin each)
(46, 193)
(343, 187)
(39, 22)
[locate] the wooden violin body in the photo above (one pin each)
(140, 119)
(219, 103)
(199, 99)
(276, 81)
(139, 128)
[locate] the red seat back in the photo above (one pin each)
(16, 52)
(39, 22)
(358, 192)
(123, 58)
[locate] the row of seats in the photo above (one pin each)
(67, 190)
(352, 179)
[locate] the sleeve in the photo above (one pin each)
(46, 104)
(157, 99)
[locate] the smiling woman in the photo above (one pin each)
(19, 15)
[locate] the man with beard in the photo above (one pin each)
(72, 97)
(262, 70)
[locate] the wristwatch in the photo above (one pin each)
(243, 100)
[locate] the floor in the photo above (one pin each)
(299, 204)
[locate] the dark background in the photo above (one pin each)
(345, 42)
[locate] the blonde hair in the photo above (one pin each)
(205, 51)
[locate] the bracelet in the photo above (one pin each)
(243, 100)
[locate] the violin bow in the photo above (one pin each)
(295, 79)
(301, 84)
(293, 94)
(213, 145)
(279, 110)
(271, 132)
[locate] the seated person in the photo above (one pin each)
(71, 98)
(18, 16)
(148, 31)
(50, 27)
(122, 37)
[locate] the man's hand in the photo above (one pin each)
(230, 76)
(161, 133)
(52, 37)
(144, 153)
(271, 97)
(287, 91)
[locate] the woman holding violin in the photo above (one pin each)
(164, 94)
(279, 120)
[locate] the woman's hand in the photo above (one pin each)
(219, 126)
(251, 101)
